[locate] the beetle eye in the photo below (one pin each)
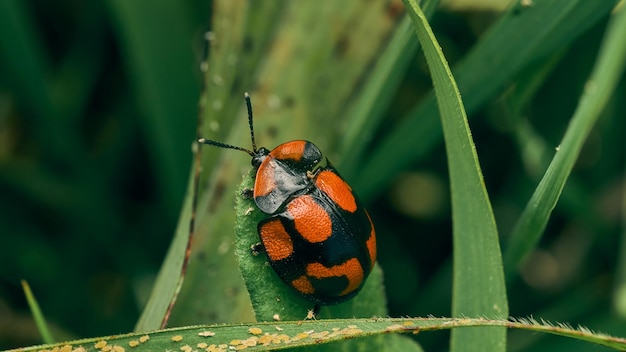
(260, 155)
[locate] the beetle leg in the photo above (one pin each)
(247, 193)
(257, 248)
(311, 314)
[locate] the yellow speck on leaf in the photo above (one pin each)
(100, 344)
(255, 331)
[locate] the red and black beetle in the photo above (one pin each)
(318, 237)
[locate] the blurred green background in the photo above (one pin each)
(98, 109)
(95, 151)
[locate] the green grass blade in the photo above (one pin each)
(513, 42)
(619, 291)
(369, 108)
(38, 316)
(479, 288)
(331, 335)
(168, 278)
(599, 88)
(372, 103)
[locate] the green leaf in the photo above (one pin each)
(331, 334)
(273, 300)
(271, 297)
(479, 288)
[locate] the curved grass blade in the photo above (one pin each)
(368, 110)
(314, 334)
(599, 88)
(40, 320)
(479, 288)
(512, 43)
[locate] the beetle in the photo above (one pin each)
(318, 237)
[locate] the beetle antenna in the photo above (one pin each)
(224, 145)
(252, 152)
(249, 106)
